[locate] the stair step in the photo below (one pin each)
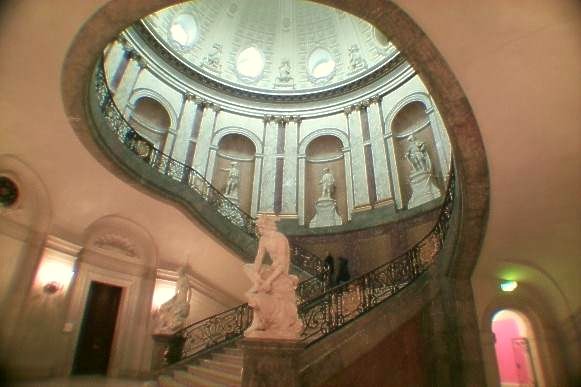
(189, 380)
(222, 366)
(168, 381)
(215, 376)
(227, 358)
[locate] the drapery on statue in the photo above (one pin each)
(327, 183)
(272, 295)
(172, 315)
(418, 156)
(233, 180)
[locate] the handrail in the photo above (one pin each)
(188, 176)
(322, 310)
(342, 304)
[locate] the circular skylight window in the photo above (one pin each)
(183, 31)
(250, 63)
(320, 64)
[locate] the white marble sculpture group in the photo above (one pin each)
(421, 179)
(272, 295)
(172, 315)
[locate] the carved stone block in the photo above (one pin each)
(326, 214)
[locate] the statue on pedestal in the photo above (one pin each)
(172, 315)
(326, 207)
(272, 295)
(232, 181)
(421, 180)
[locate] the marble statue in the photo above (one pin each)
(172, 315)
(284, 78)
(232, 181)
(212, 60)
(418, 156)
(272, 295)
(326, 207)
(422, 185)
(327, 183)
(356, 62)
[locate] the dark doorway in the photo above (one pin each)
(97, 330)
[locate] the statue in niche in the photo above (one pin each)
(172, 314)
(213, 58)
(284, 78)
(418, 156)
(272, 295)
(327, 183)
(326, 207)
(232, 181)
(423, 188)
(356, 62)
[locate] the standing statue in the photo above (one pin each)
(233, 180)
(272, 295)
(418, 156)
(172, 314)
(327, 183)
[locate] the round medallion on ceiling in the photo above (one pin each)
(320, 65)
(8, 192)
(250, 64)
(183, 31)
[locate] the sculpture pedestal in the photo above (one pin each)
(423, 189)
(167, 349)
(326, 214)
(270, 362)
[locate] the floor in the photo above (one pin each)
(87, 381)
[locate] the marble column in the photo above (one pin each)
(209, 115)
(289, 187)
(130, 76)
(116, 61)
(185, 128)
(441, 140)
(392, 163)
(268, 177)
(382, 183)
(358, 170)
(301, 188)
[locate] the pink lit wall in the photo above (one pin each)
(504, 331)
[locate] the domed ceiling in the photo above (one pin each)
(271, 46)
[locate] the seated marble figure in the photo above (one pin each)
(272, 295)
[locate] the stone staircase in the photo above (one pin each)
(219, 368)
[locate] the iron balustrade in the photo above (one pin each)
(342, 304)
(322, 310)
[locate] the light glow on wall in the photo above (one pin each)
(55, 272)
(163, 292)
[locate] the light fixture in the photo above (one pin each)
(508, 285)
(55, 273)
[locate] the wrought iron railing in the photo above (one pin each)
(166, 165)
(343, 304)
(323, 311)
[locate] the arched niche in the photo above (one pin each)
(151, 120)
(412, 124)
(325, 151)
(235, 151)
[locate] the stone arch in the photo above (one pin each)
(222, 132)
(422, 98)
(164, 102)
(323, 132)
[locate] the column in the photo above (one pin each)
(125, 89)
(289, 189)
(382, 183)
(185, 129)
(256, 184)
(268, 178)
(358, 169)
(301, 188)
(115, 63)
(392, 161)
(205, 135)
(441, 140)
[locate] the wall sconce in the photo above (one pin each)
(54, 274)
(508, 285)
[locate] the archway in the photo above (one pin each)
(516, 350)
